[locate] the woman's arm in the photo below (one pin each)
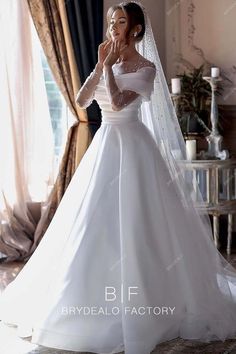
(119, 99)
(86, 93)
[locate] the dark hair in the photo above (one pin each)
(135, 17)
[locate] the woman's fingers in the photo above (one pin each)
(105, 44)
(108, 45)
(115, 48)
(118, 46)
(117, 43)
(123, 48)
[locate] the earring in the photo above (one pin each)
(135, 34)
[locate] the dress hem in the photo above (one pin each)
(58, 341)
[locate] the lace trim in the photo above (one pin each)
(130, 67)
(131, 72)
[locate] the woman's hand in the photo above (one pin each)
(103, 51)
(115, 51)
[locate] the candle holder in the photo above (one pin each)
(214, 139)
(176, 97)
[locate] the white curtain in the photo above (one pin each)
(26, 137)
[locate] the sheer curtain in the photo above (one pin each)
(51, 22)
(26, 137)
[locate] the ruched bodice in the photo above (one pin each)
(130, 113)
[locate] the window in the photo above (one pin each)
(61, 117)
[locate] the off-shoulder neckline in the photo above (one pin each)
(135, 72)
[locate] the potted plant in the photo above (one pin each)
(195, 102)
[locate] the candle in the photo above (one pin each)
(175, 85)
(215, 72)
(191, 149)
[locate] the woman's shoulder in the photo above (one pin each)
(141, 67)
(145, 63)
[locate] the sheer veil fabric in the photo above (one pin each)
(159, 115)
(127, 261)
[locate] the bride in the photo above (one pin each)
(127, 261)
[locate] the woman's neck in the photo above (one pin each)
(129, 54)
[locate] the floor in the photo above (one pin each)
(11, 344)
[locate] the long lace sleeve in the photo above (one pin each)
(118, 98)
(85, 95)
(125, 88)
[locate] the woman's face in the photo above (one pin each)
(118, 26)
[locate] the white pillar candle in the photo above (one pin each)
(215, 72)
(175, 85)
(191, 149)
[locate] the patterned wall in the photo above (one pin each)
(199, 31)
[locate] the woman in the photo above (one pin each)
(127, 262)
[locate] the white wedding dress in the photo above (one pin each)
(121, 227)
